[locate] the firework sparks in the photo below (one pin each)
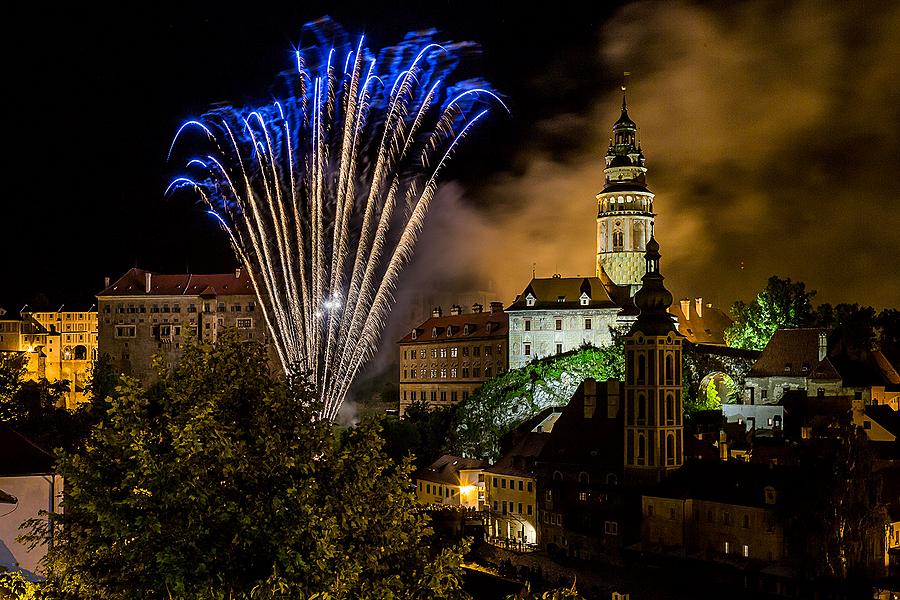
(324, 191)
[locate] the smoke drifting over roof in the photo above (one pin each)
(772, 136)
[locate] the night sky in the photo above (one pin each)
(771, 130)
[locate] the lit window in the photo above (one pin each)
(454, 351)
(559, 324)
(245, 323)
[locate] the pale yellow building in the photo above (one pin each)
(511, 485)
(452, 481)
(60, 345)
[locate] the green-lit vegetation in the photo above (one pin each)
(506, 401)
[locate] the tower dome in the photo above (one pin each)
(653, 299)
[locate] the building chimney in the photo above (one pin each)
(823, 345)
(477, 308)
(496, 307)
(686, 308)
(237, 273)
(698, 302)
(147, 282)
(436, 311)
(456, 310)
(106, 282)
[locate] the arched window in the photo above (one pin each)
(557, 476)
(67, 353)
(670, 449)
(670, 371)
(670, 409)
(642, 409)
(642, 450)
(584, 478)
(611, 479)
(618, 240)
(641, 369)
(80, 353)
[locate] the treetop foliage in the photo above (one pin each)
(220, 482)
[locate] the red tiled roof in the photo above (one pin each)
(134, 282)
(478, 328)
(705, 328)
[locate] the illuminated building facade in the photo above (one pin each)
(653, 382)
(59, 345)
(557, 314)
(511, 517)
(446, 358)
(145, 314)
(624, 209)
(452, 481)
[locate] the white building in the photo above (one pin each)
(559, 314)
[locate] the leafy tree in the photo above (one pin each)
(14, 585)
(12, 375)
(782, 303)
(219, 482)
(423, 433)
(504, 402)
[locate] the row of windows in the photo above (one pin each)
(726, 517)
(512, 484)
(558, 324)
(438, 490)
(176, 308)
(453, 351)
(454, 373)
(434, 396)
(510, 508)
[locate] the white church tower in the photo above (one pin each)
(625, 209)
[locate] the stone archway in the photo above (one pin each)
(718, 388)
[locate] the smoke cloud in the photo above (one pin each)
(772, 136)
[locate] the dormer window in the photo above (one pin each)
(434, 331)
(449, 330)
(560, 298)
(467, 328)
(488, 327)
(529, 300)
(787, 367)
(415, 333)
(585, 299)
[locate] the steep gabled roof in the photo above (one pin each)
(446, 469)
(134, 283)
(453, 327)
(563, 293)
(519, 461)
(790, 353)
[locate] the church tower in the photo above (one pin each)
(625, 208)
(653, 403)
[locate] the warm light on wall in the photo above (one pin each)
(466, 489)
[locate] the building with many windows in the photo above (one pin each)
(446, 358)
(145, 314)
(559, 314)
(59, 345)
(452, 481)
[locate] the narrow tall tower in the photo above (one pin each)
(625, 208)
(653, 403)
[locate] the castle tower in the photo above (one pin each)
(653, 403)
(625, 208)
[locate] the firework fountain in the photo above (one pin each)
(323, 191)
